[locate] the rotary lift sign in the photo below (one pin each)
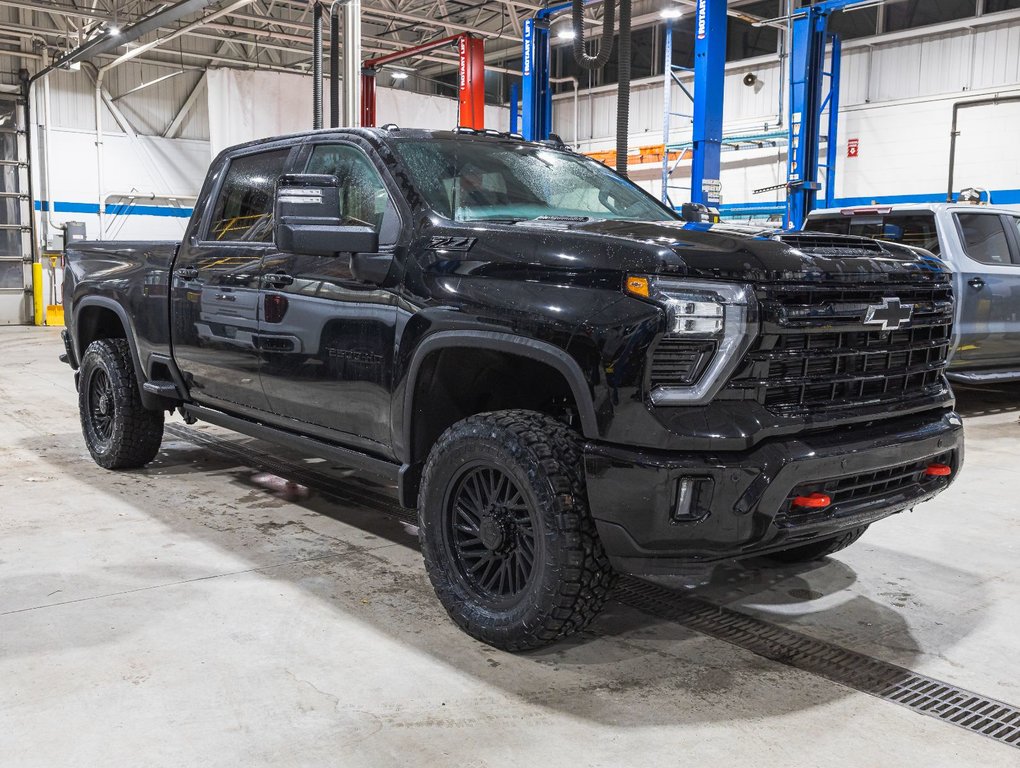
(853, 147)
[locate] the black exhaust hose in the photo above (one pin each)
(334, 66)
(317, 66)
(623, 89)
(584, 61)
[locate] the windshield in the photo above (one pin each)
(510, 182)
(917, 228)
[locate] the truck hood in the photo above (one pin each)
(714, 251)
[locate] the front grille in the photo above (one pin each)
(678, 362)
(852, 492)
(816, 353)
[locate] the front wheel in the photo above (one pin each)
(509, 544)
(119, 431)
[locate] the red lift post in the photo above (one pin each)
(470, 69)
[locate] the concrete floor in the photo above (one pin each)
(186, 615)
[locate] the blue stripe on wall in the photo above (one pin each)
(999, 197)
(116, 209)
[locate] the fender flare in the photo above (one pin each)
(108, 303)
(540, 351)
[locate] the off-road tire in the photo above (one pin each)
(570, 577)
(819, 549)
(119, 431)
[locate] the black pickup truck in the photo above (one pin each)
(565, 379)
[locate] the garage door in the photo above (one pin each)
(15, 250)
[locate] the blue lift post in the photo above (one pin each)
(709, 82)
(807, 104)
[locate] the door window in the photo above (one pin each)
(363, 197)
(244, 208)
(984, 238)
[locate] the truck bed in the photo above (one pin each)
(130, 278)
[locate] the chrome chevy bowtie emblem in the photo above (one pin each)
(889, 315)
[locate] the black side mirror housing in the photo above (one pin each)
(307, 218)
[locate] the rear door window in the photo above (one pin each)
(916, 229)
(244, 206)
(984, 238)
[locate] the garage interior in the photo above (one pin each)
(236, 602)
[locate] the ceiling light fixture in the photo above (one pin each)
(671, 13)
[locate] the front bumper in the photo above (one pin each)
(661, 512)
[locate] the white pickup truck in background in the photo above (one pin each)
(981, 244)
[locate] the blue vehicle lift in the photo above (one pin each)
(709, 75)
(808, 103)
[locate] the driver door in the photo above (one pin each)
(328, 339)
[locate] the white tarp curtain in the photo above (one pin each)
(246, 104)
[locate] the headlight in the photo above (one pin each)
(722, 316)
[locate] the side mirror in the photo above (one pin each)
(307, 218)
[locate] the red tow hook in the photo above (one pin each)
(938, 470)
(812, 501)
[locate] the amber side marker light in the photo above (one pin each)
(938, 470)
(812, 501)
(638, 286)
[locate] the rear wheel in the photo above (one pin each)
(509, 544)
(119, 431)
(818, 549)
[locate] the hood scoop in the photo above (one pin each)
(830, 245)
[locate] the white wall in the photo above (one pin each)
(252, 104)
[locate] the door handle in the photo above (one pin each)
(278, 279)
(226, 297)
(187, 273)
(976, 282)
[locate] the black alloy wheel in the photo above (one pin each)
(491, 532)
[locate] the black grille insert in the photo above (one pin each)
(817, 353)
(679, 362)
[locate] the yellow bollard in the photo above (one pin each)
(38, 307)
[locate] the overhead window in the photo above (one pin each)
(244, 208)
(994, 6)
(912, 13)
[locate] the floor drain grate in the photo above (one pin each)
(926, 695)
(963, 708)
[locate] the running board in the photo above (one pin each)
(983, 377)
(380, 469)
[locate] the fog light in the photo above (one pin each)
(938, 470)
(693, 497)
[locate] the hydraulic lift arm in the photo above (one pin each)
(471, 72)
